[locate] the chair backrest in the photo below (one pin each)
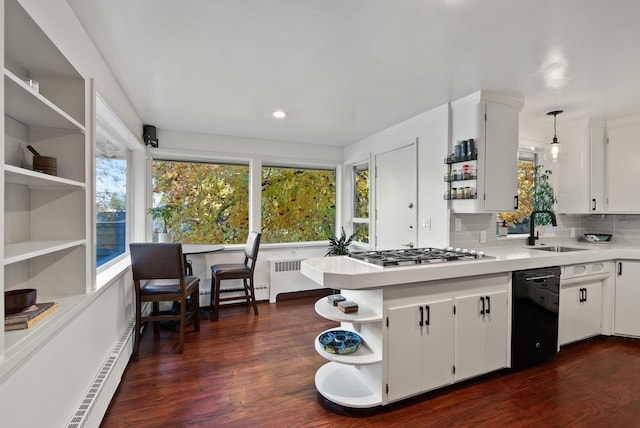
(156, 261)
(251, 250)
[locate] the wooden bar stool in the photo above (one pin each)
(242, 271)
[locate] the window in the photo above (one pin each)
(210, 201)
(518, 221)
(298, 204)
(361, 202)
(112, 162)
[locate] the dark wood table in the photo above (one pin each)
(189, 249)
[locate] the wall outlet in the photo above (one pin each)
(458, 225)
(426, 223)
(572, 233)
(483, 236)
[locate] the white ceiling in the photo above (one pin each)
(345, 69)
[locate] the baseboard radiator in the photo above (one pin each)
(285, 277)
(118, 357)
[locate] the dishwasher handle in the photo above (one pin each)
(538, 278)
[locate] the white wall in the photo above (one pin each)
(431, 129)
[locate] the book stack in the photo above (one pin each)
(29, 317)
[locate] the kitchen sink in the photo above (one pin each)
(557, 249)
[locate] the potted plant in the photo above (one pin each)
(543, 194)
(340, 246)
(163, 214)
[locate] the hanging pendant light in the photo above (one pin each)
(553, 151)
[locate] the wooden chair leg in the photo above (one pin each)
(253, 296)
(183, 324)
(155, 311)
(136, 335)
(215, 298)
(196, 309)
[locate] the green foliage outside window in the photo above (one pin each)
(212, 201)
(534, 193)
(298, 204)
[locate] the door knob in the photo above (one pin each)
(410, 204)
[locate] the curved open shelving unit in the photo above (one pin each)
(363, 356)
(364, 314)
(345, 385)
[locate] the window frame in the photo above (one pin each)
(355, 168)
(110, 125)
(303, 166)
(170, 157)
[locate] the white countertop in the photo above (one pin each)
(343, 272)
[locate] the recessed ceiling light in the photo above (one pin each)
(279, 114)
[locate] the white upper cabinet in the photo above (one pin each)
(623, 165)
(580, 188)
(491, 120)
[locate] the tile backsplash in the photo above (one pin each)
(624, 227)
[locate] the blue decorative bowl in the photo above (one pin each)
(340, 341)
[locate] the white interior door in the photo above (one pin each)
(396, 198)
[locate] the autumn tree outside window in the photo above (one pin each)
(212, 200)
(298, 204)
(361, 202)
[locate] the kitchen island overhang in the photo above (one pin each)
(343, 272)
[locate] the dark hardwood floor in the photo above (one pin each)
(258, 371)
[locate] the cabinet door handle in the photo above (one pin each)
(515, 202)
(488, 305)
(581, 295)
(482, 300)
(421, 315)
(619, 268)
(585, 294)
(428, 309)
(593, 204)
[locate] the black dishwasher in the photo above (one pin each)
(534, 326)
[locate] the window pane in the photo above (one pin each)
(361, 192)
(297, 204)
(111, 199)
(210, 201)
(518, 221)
(362, 232)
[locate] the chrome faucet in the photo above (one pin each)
(532, 238)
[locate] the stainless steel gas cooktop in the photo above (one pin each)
(415, 256)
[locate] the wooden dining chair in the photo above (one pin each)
(242, 271)
(158, 276)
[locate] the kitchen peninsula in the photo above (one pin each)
(426, 326)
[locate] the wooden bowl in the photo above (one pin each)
(18, 300)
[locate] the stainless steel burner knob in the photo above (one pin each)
(465, 251)
(473, 252)
(458, 249)
(480, 253)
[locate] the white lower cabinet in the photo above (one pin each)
(627, 297)
(481, 334)
(580, 312)
(444, 332)
(420, 347)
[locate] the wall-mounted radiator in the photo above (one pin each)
(285, 277)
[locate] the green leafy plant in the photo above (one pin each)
(340, 246)
(543, 194)
(163, 213)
